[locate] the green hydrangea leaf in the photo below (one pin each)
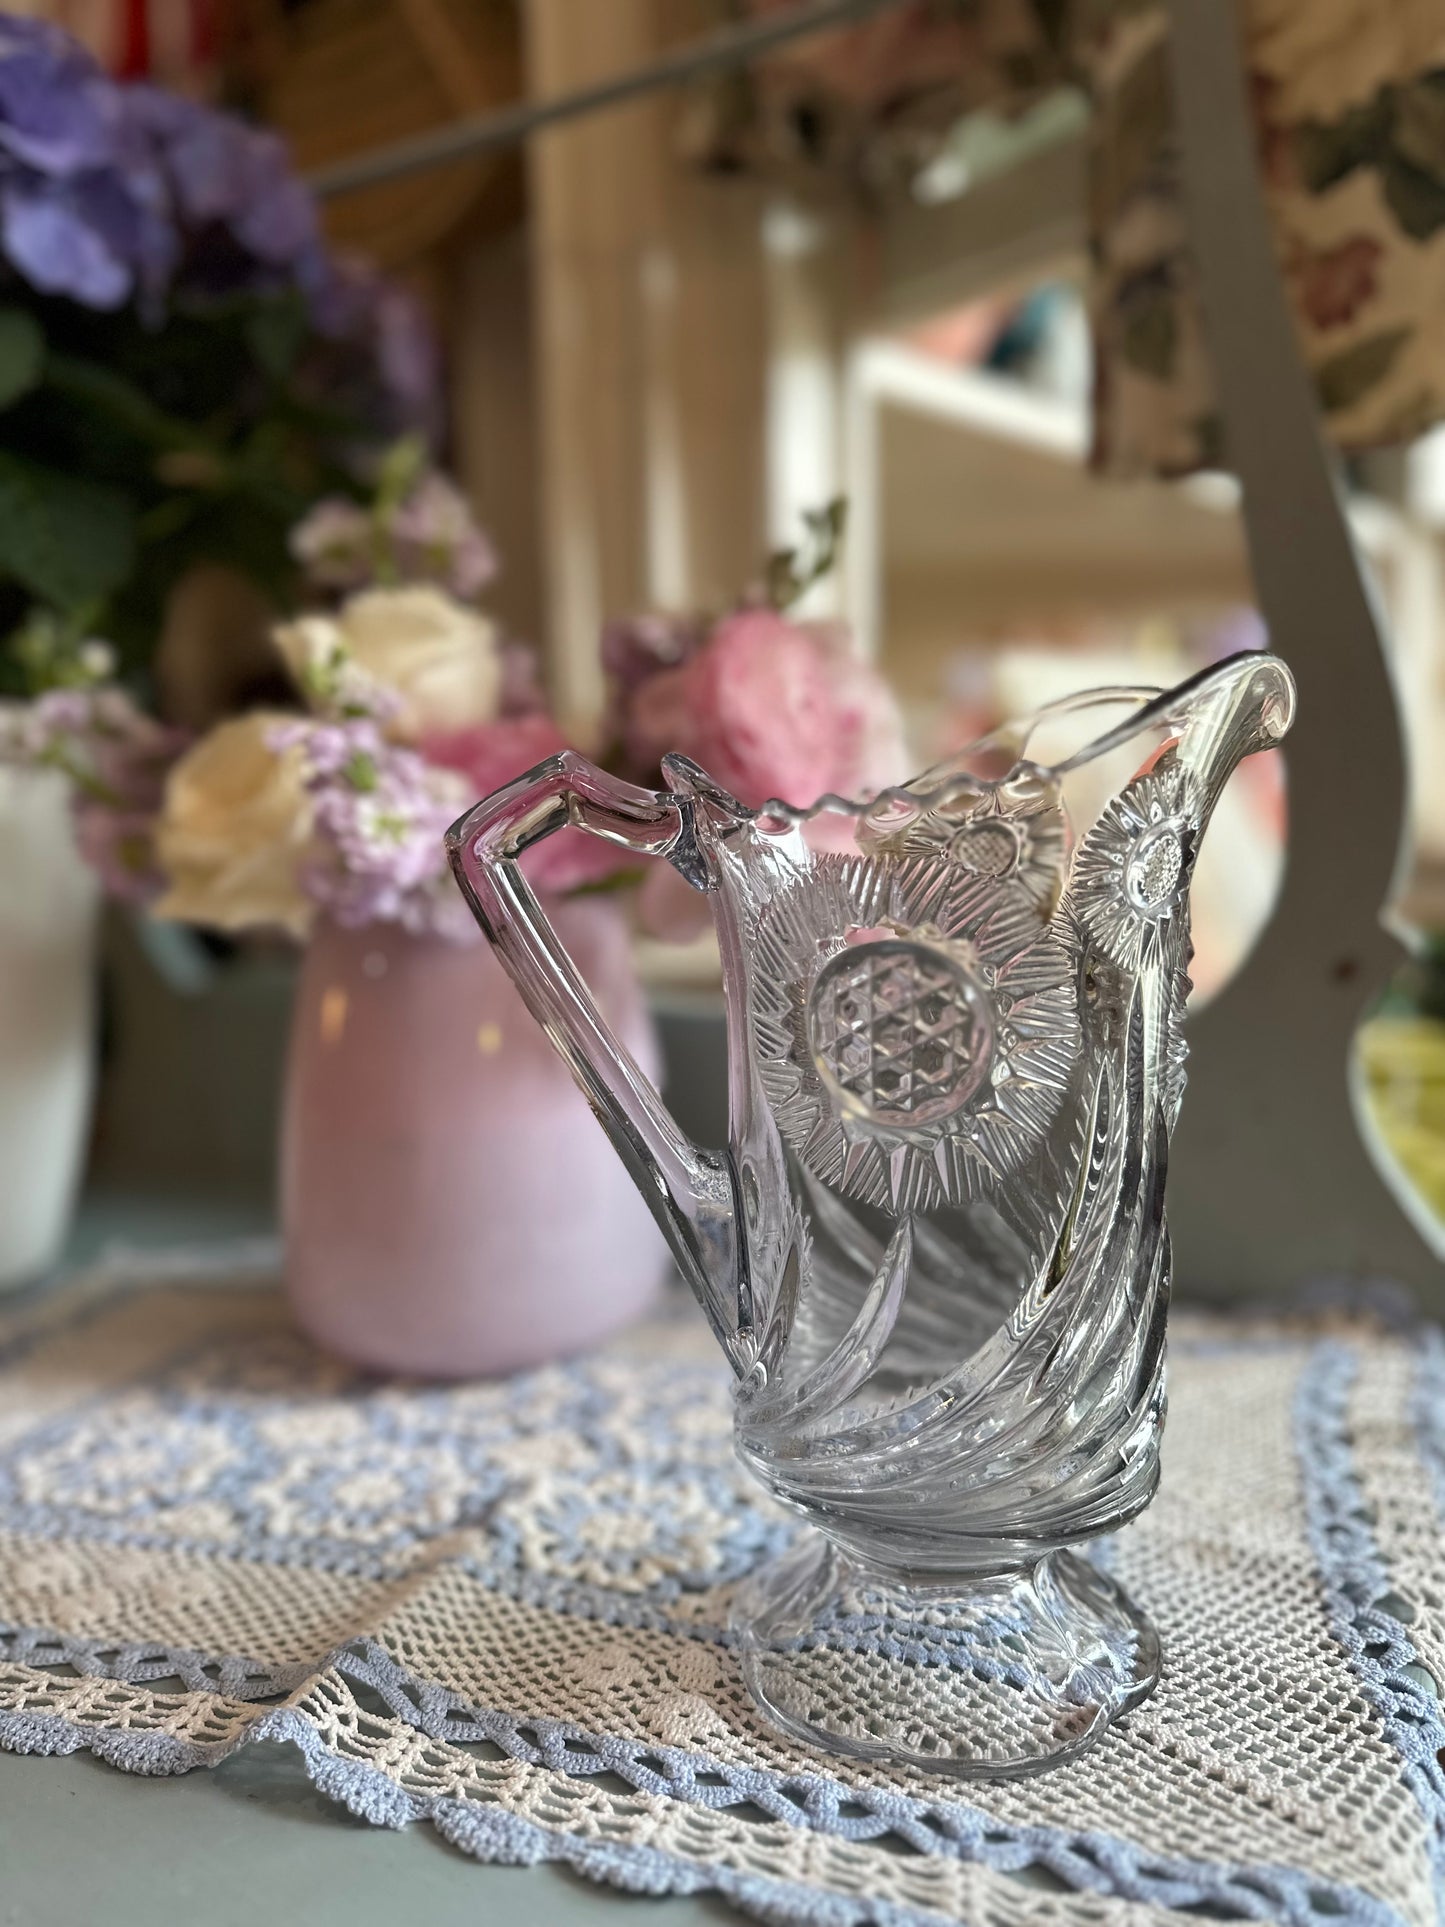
(22, 354)
(276, 333)
(69, 542)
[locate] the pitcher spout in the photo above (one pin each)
(1232, 710)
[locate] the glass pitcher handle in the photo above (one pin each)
(690, 1190)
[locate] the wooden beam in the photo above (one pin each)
(650, 356)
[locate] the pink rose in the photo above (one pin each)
(872, 749)
(772, 708)
(491, 754)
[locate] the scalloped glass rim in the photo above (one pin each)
(946, 781)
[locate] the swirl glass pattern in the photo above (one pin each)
(935, 1250)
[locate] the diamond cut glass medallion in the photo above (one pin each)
(1156, 868)
(899, 1031)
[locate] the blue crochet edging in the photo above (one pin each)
(1360, 1590)
(148, 1662)
(1089, 1863)
(486, 1832)
(1083, 1862)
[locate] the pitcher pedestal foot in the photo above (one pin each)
(997, 1677)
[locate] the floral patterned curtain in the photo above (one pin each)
(1350, 105)
(1350, 109)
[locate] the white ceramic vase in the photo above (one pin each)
(48, 906)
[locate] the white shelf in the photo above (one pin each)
(974, 511)
(975, 515)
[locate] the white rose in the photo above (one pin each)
(234, 825)
(438, 658)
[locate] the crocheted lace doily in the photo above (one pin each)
(501, 1608)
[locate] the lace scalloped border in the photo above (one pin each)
(1095, 1863)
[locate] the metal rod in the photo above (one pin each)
(729, 47)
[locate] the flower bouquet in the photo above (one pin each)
(426, 1123)
(429, 1130)
(184, 368)
(413, 708)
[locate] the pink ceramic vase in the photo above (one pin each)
(450, 1206)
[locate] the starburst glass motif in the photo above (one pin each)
(1012, 830)
(1131, 874)
(915, 1026)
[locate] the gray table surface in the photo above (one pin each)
(251, 1840)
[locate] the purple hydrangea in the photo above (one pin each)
(348, 301)
(58, 112)
(85, 207)
(114, 193)
(222, 172)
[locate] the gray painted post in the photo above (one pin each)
(1271, 1182)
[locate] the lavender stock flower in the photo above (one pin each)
(335, 543)
(430, 535)
(637, 647)
(381, 812)
(116, 759)
(436, 538)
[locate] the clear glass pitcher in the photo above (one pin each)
(934, 1251)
